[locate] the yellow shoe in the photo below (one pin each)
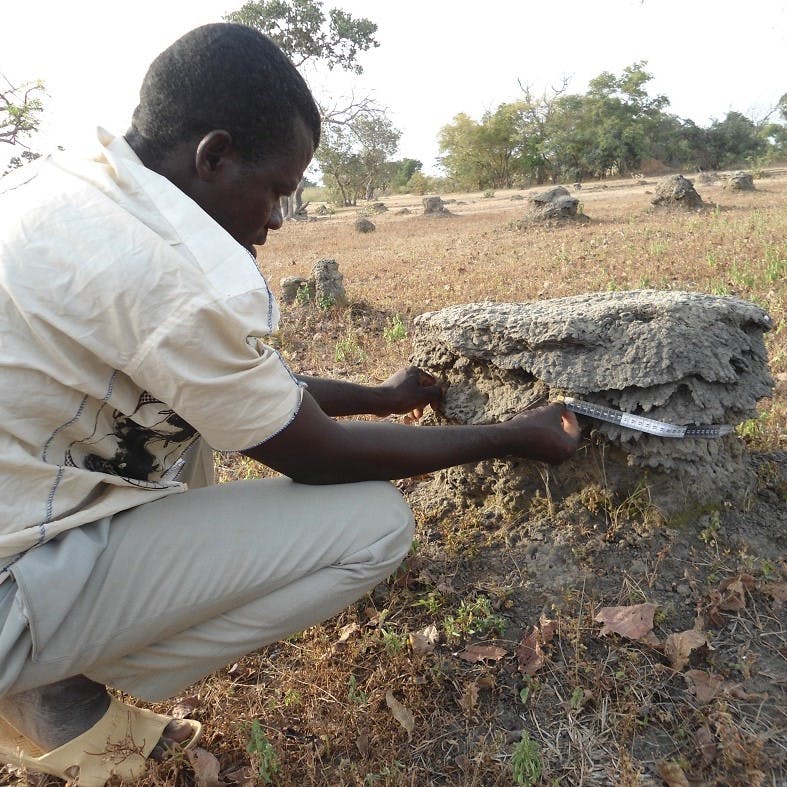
(117, 745)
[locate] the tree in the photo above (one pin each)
(732, 141)
(354, 157)
(309, 37)
(305, 34)
(402, 171)
(20, 116)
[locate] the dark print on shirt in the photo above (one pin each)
(142, 445)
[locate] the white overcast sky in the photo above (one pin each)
(436, 57)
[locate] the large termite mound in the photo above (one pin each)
(679, 357)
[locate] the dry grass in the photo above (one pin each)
(601, 711)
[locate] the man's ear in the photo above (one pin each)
(212, 152)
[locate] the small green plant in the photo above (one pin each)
(489, 193)
(348, 350)
(354, 694)
(392, 642)
(385, 774)
(264, 756)
(326, 302)
(750, 430)
(526, 762)
(710, 532)
(775, 264)
(395, 330)
(432, 602)
(303, 296)
(742, 277)
(292, 698)
(475, 617)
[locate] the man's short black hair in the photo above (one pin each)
(223, 76)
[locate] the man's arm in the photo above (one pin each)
(407, 390)
(316, 449)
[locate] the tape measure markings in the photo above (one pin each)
(640, 422)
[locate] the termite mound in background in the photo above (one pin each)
(680, 357)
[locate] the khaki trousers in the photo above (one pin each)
(180, 587)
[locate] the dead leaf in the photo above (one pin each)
(206, 768)
(423, 642)
(347, 631)
(733, 594)
(672, 773)
(401, 714)
(529, 653)
(739, 693)
(706, 743)
(730, 596)
(776, 590)
(363, 744)
(476, 653)
(245, 776)
(548, 629)
(184, 707)
(469, 699)
(703, 685)
(633, 622)
(678, 647)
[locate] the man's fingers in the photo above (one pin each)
(570, 424)
(425, 380)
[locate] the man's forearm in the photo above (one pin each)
(316, 449)
(343, 451)
(340, 397)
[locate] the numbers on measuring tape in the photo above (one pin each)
(640, 422)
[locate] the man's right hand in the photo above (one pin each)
(547, 434)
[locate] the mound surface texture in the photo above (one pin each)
(679, 357)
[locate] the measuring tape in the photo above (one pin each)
(640, 423)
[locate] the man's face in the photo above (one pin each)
(245, 200)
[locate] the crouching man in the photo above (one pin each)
(133, 325)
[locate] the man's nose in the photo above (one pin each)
(276, 219)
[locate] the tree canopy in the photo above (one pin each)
(613, 128)
(357, 137)
(305, 34)
(20, 116)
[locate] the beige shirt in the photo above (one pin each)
(130, 324)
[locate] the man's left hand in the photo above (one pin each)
(410, 390)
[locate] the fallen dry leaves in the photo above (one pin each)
(206, 768)
(672, 774)
(476, 653)
(402, 714)
(703, 685)
(679, 647)
(730, 596)
(530, 651)
(706, 687)
(632, 622)
(469, 698)
(423, 642)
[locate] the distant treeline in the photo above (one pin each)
(613, 129)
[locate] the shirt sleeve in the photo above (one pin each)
(218, 375)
